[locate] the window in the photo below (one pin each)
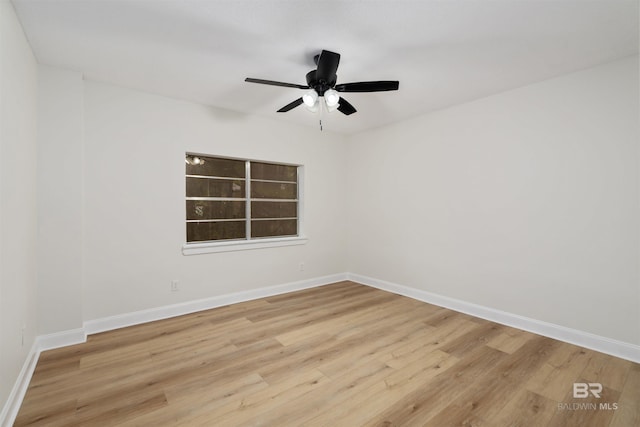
(231, 200)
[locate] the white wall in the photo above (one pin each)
(18, 218)
(526, 202)
(134, 201)
(60, 180)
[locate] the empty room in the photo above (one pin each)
(320, 213)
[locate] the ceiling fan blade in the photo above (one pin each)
(290, 106)
(345, 108)
(379, 86)
(327, 67)
(273, 83)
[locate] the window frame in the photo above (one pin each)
(248, 243)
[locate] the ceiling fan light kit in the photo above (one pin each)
(310, 98)
(321, 82)
(314, 108)
(331, 97)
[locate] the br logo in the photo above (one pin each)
(582, 390)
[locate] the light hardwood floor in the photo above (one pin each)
(339, 355)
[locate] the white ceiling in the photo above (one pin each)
(442, 52)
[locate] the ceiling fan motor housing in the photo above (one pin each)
(320, 86)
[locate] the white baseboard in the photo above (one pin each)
(12, 405)
(159, 313)
(573, 336)
(61, 339)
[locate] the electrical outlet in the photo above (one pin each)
(301, 266)
(174, 286)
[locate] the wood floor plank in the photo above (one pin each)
(322, 293)
(370, 346)
(329, 300)
(303, 408)
(372, 400)
(427, 341)
(483, 400)
(337, 355)
(452, 416)
(476, 337)
(276, 395)
(608, 370)
(569, 355)
(310, 318)
(628, 413)
(526, 409)
(197, 407)
(551, 382)
(126, 408)
(352, 316)
(556, 377)
(520, 366)
(434, 396)
(510, 340)
(53, 412)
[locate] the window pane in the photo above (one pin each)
(274, 209)
(276, 227)
(224, 183)
(273, 190)
(202, 231)
(273, 172)
(218, 167)
(206, 209)
(207, 187)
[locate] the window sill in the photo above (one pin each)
(240, 245)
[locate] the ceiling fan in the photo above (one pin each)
(321, 82)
